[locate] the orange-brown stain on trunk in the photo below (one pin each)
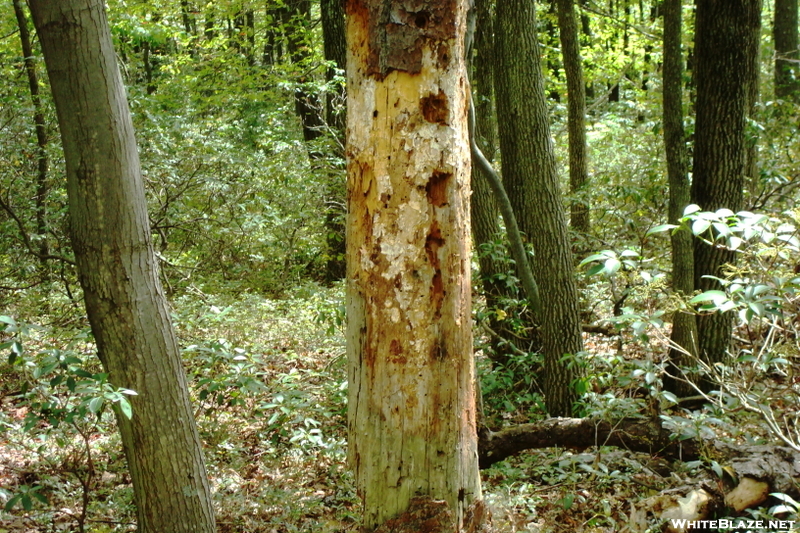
(434, 108)
(396, 352)
(433, 242)
(436, 188)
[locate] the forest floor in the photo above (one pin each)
(269, 379)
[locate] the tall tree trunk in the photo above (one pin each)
(307, 105)
(335, 48)
(531, 179)
(722, 62)
(411, 401)
(551, 42)
(188, 19)
(42, 185)
(785, 36)
(148, 67)
(273, 39)
(752, 172)
(117, 268)
(586, 40)
(576, 120)
(483, 208)
(684, 325)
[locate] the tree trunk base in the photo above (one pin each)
(426, 515)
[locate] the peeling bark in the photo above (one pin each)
(411, 393)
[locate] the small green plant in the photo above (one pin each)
(225, 375)
(510, 388)
(65, 399)
(25, 496)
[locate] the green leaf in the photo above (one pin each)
(700, 226)
(670, 397)
(12, 502)
(96, 403)
(125, 407)
(787, 499)
(612, 266)
(602, 256)
(41, 497)
(710, 296)
(691, 209)
(757, 308)
(661, 228)
(715, 466)
(596, 269)
(722, 229)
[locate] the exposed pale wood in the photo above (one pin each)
(411, 392)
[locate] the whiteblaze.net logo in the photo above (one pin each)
(738, 524)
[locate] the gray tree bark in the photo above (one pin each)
(117, 268)
(723, 48)
(42, 163)
(785, 37)
(684, 325)
(532, 183)
(576, 115)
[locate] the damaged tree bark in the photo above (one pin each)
(413, 444)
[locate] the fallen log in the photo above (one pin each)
(640, 435)
(758, 470)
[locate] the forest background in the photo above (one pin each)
(239, 114)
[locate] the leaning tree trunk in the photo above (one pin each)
(722, 48)
(111, 238)
(684, 325)
(484, 208)
(484, 211)
(576, 111)
(785, 36)
(411, 401)
(531, 179)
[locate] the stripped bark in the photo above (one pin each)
(411, 392)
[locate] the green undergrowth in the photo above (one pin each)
(268, 381)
